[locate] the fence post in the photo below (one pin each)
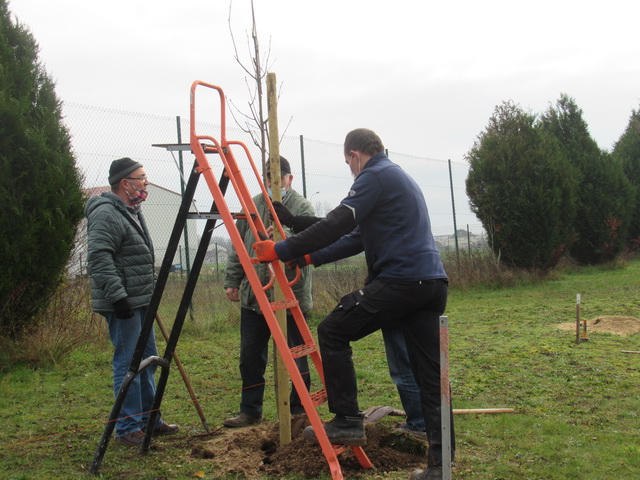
(304, 172)
(455, 227)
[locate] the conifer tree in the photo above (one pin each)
(522, 189)
(604, 195)
(40, 187)
(627, 151)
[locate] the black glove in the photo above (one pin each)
(284, 215)
(122, 308)
(299, 262)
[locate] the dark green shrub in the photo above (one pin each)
(522, 188)
(627, 152)
(604, 197)
(40, 187)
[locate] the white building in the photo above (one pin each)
(160, 211)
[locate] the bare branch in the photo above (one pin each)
(233, 41)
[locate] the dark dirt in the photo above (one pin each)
(254, 452)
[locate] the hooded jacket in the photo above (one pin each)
(234, 273)
(120, 254)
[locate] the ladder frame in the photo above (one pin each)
(201, 146)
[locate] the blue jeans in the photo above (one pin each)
(254, 346)
(135, 410)
(402, 375)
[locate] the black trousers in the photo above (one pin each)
(254, 347)
(416, 307)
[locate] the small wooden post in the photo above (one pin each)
(445, 398)
(280, 371)
(578, 318)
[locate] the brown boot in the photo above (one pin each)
(242, 420)
(133, 439)
(166, 429)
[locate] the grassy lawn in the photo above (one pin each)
(576, 404)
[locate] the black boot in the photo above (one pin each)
(342, 430)
(429, 473)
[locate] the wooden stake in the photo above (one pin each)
(463, 411)
(578, 318)
(185, 378)
(280, 372)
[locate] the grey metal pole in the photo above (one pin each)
(453, 205)
(445, 398)
(304, 172)
(186, 230)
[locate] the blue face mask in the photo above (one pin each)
(283, 192)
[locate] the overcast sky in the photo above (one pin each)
(425, 75)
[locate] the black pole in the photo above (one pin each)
(187, 253)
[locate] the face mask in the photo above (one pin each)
(283, 192)
(138, 195)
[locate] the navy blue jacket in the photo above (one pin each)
(393, 227)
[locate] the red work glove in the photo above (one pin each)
(299, 262)
(265, 249)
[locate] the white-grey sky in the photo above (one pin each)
(425, 75)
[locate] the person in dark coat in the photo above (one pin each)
(120, 262)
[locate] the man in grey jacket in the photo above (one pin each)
(120, 262)
(254, 331)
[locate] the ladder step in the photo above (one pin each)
(303, 350)
(186, 147)
(319, 397)
(215, 215)
(283, 305)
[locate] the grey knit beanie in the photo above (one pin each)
(121, 168)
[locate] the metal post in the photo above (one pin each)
(455, 227)
(217, 265)
(186, 230)
(304, 172)
(445, 398)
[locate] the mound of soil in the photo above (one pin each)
(608, 324)
(255, 453)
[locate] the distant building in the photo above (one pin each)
(160, 211)
(465, 241)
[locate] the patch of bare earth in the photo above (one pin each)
(254, 452)
(615, 325)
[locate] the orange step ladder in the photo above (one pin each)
(201, 146)
(231, 168)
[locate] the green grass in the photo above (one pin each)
(576, 404)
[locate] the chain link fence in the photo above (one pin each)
(101, 135)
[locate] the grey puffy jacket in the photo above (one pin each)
(120, 254)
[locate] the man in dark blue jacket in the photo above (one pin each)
(385, 215)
